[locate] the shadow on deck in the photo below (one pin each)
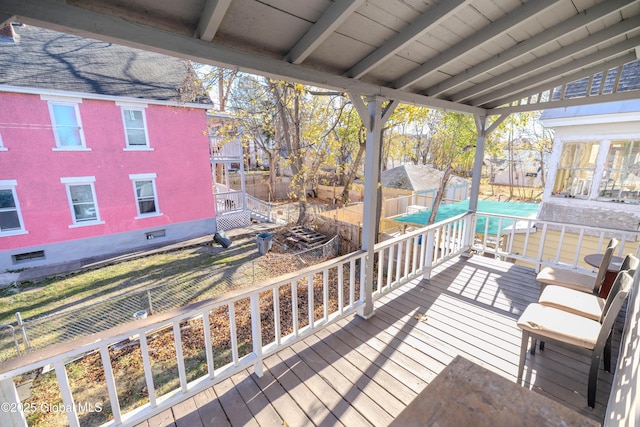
(366, 372)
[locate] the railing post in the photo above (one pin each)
(12, 414)
(23, 328)
(428, 261)
(470, 231)
(256, 334)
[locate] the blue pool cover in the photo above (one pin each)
(502, 208)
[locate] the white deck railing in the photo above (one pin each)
(331, 289)
(257, 206)
(322, 294)
(230, 201)
(543, 243)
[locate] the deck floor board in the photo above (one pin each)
(365, 372)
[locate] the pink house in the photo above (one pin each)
(103, 149)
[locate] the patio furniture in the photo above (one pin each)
(575, 280)
(582, 303)
(591, 336)
(595, 260)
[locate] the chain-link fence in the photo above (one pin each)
(66, 325)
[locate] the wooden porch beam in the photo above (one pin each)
(416, 29)
(496, 123)
(64, 17)
(494, 29)
(332, 18)
(212, 14)
(361, 108)
(523, 48)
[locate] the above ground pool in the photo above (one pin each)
(520, 209)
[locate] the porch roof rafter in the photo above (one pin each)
(411, 52)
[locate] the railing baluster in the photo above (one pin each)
(526, 238)
(325, 294)
(486, 234)
(294, 307)
(380, 268)
(429, 253)
(177, 339)
(600, 241)
(389, 267)
(407, 257)
(148, 373)
(352, 283)
(65, 390)
(511, 237)
(340, 288)
(415, 250)
(9, 396)
(276, 315)
(208, 345)
(233, 333)
(256, 333)
(111, 384)
(398, 262)
(578, 246)
(541, 247)
(498, 238)
(311, 303)
(559, 249)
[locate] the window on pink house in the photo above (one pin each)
(66, 123)
(144, 187)
(135, 127)
(10, 215)
(82, 200)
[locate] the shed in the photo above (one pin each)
(424, 180)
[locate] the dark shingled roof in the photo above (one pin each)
(629, 80)
(44, 59)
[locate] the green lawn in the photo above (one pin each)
(34, 299)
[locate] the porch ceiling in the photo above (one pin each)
(463, 55)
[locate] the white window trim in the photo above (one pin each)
(81, 180)
(72, 102)
(595, 182)
(2, 147)
(136, 107)
(145, 177)
(11, 184)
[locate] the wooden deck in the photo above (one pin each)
(365, 372)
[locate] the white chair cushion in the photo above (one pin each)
(567, 278)
(560, 325)
(577, 302)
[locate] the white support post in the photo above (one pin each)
(373, 117)
(373, 150)
(481, 123)
(481, 126)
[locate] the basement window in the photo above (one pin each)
(155, 234)
(28, 256)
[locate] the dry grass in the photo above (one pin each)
(86, 375)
